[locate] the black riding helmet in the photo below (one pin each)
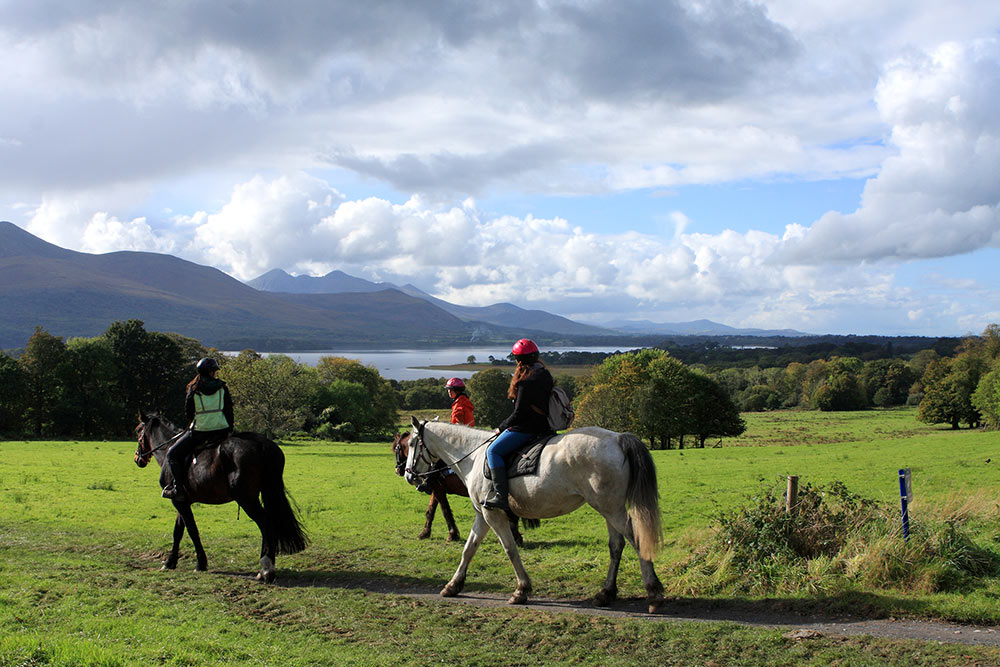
(207, 365)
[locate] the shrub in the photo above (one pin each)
(833, 540)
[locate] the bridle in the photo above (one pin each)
(422, 454)
(144, 450)
(397, 449)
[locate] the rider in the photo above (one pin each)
(209, 408)
(461, 406)
(530, 387)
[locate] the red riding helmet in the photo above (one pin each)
(524, 346)
(455, 383)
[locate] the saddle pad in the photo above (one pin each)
(523, 461)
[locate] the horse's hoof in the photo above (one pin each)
(451, 589)
(655, 603)
(423, 536)
(519, 597)
(169, 566)
(266, 577)
(454, 537)
(518, 540)
(605, 597)
(201, 567)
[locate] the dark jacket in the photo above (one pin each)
(531, 406)
(207, 387)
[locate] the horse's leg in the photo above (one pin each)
(184, 511)
(251, 505)
(518, 539)
(449, 518)
(500, 523)
(654, 589)
(171, 561)
(476, 535)
(616, 544)
(429, 517)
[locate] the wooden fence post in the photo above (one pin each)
(792, 494)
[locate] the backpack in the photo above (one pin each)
(560, 409)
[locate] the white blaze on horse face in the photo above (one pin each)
(410, 460)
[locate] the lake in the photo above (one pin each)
(412, 364)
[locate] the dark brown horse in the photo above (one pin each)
(440, 486)
(245, 468)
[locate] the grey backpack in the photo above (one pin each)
(560, 410)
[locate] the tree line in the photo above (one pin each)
(94, 388)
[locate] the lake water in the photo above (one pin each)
(411, 364)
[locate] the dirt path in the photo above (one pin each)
(799, 625)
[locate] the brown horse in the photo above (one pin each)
(440, 485)
(245, 468)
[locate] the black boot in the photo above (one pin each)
(175, 490)
(497, 498)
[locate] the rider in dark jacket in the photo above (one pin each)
(530, 388)
(209, 409)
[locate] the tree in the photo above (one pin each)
(986, 398)
(41, 365)
(90, 406)
(713, 413)
(488, 393)
(380, 415)
(151, 371)
(269, 393)
(12, 391)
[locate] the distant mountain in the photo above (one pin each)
(334, 282)
(499, 314)
(80, 294)
(696, 328)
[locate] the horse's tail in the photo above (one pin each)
(530, 524)
(642, 496)
(283, 524)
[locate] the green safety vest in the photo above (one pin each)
(208, 412)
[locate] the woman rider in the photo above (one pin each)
(209, 409)
(461, 406)
(529, 388)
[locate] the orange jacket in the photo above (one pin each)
(461, 411)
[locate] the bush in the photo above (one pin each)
(345, 432)
(834, 540)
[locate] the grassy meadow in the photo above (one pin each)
(83, 532)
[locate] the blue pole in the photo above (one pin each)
(903, 501)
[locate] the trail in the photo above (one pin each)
(800, 625)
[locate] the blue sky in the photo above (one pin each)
(826, 167)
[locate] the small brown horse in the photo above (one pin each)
(245, 468)
(440, 485)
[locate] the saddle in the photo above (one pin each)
(522, 461)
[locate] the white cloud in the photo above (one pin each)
(939, 195)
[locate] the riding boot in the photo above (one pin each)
(497, 499)
(175, 490)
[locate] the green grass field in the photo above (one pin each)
(83, 532)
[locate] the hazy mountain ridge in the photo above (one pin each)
(72, 293)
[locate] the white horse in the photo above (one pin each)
(611, 472)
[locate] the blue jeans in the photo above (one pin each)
(506, 442)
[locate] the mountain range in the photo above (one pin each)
(71, 293)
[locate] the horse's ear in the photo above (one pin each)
(414, 421)
(142, 417)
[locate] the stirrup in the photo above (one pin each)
(173, 492)
(495, 501)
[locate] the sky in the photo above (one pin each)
(824, 167)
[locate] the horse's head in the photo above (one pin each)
(153, 434)
(420, 462)
(145, 449)
(401, 448)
